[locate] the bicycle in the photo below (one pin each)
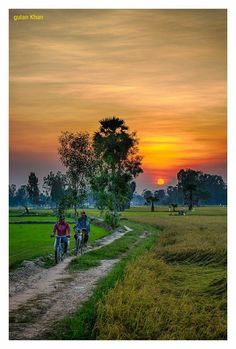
(80, 241)
(60, 250)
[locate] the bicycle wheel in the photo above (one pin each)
(77, 246)
(57, 255)
(62, 251)
(81, 245)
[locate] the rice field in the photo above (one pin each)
(174, 287)
(177, 290)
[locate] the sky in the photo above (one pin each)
(162, 71)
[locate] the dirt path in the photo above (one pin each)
(38, 297)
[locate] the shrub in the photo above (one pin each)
(112, 218)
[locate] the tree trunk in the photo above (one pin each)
(152, 207)
(76, 212)
(190, 207)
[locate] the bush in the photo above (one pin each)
(112, 218)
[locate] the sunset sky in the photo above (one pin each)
(162, 71)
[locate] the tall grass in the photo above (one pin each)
(177, 290)
(155, 301)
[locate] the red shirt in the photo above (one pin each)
(61, 229)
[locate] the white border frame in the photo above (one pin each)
(230, 5)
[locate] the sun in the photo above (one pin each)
(160, 181)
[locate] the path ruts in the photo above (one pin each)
(49, 295)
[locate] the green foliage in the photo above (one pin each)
(76, 154)
(33, 189)
(117, 163)
(111, 218)
(198, 186)
(54, 186)
(151, 197)
(22, 197)
(12, 192)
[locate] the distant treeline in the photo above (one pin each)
(192, 188)
(101, 171)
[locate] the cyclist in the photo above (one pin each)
(62, 231)
(82, 224)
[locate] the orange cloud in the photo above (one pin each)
(163, 71)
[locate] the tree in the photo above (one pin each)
(12, 192)
(160, 194)
(188, 182)
(150, 198)
(198, 186)
(76, 154)
(214, 190)
(43, 199)
(174, 195)
(22, 197)
(117, 164)
(33, 189)
(129, 194)
(201, 187)
(54, 186)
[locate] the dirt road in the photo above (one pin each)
(39, 296)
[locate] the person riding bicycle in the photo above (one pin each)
(82, 224)
(62, 231)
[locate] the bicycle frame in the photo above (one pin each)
(80, 243)
(59, 251)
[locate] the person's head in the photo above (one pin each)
(61, 219)
(82, 214)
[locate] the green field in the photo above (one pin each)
(171, 285)
(28, 241)
(19, 213)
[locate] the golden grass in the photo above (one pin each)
(149, 305)
(177, 290)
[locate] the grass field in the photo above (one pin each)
(81, 325)
(19, 213)
(177, 290)
(28, 241)
(171, 285)
(35, 219)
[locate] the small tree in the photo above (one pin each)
(76, 154)
(12, 192)
(54, 186)
(22, 197)
(33, 189)
(150, 198)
